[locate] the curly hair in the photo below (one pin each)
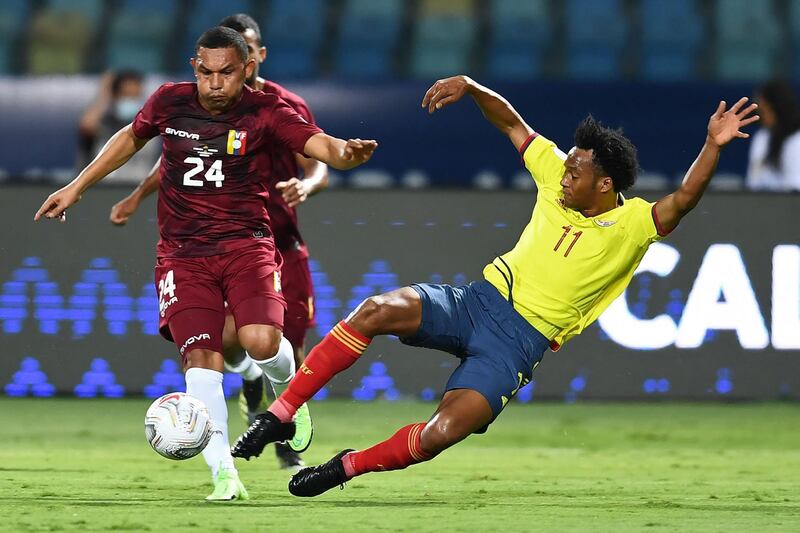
(613, 154)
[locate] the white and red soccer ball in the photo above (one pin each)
(178, 426)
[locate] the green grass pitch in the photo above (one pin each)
(85, 465)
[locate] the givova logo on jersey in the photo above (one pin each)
(237, 142)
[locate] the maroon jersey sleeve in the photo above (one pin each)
(145, 123)
(287, 126)
(303, 110)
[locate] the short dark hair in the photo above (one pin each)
(122, 76)
(242, 22)
(779, 94)
(613, 154)
(221, 37)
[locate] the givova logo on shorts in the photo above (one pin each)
(193, 339)
(166, 288)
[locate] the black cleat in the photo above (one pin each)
(288, 459)
(265, 429)
(315, 480)
(252, 399)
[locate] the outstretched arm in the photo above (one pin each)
(723, 127)
(125, 208)
(338, 153)
(494, 107)
(295, 191)
(119, 148)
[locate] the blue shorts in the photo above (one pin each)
(497, 347)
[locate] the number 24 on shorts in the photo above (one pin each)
(213, 174)
(166, 286)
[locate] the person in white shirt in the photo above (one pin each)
(774, 163)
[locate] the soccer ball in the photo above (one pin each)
(178, 426)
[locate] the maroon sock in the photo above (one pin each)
(337, 351)
(399, 451)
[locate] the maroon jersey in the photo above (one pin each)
(216, 169)
(283, 219)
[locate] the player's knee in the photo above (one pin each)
(372, 315)
(260, 342)
(439, 434)
(230, 340)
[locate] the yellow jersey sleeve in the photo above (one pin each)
(642, 224)
(544, 161)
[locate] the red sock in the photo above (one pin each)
(340, 348)
(399, 451)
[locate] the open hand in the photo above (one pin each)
(358, 151)
(294, 191)
(445, 92)
(724, 126)
(123, 210)
(55, 207)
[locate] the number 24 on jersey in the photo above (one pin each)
(213, 174)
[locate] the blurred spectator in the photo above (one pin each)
(775, 149)
(119, 98)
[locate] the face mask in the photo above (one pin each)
(126, 108)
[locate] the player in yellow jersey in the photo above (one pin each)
(576, 255)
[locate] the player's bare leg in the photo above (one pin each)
(252, 399)
(461, 413)
(275, 356)
(270, 350)
(398, 312)
(204, 382)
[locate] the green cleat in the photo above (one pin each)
(252, 399)
(288, 459)
(227, 487)
(304, 430)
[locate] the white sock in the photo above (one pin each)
(280, 369)
(247, 368)
(206, 385)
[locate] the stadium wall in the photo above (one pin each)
(714, 313)
(456, 147)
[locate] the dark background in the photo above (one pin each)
(363, 243)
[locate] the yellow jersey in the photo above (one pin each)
(567, 268)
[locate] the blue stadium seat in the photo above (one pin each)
(368, 37)
(13, 19)
(6, 59)
(594, 47)
(794, 35)
(127, 55)
(296, 23)
(139, 35)
(748, 38)
(164, 7)
(520, 32)
(444, 38)
(293, 33)
(289, 62)
(671, 38)
(203, 15)
(91, 9)
(13, 15)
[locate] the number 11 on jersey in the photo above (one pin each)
(576, 236)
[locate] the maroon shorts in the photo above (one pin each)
(192, 292)
(299, 295)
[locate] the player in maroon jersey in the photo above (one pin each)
(286, 191)
(216, 242)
